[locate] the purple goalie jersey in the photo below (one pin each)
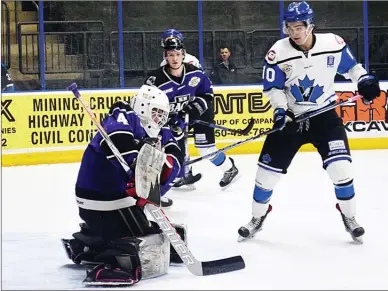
(101, 174)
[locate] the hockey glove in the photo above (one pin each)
(194, 110)
(121, 105)
(368, 87)
(169, 173)
(281, 117)
(177, 125)
(131, 192)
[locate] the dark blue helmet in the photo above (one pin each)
(298, 11)
(170, 33)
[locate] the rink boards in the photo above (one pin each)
(51, 127)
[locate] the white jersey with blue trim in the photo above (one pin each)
(189, 59)
(304, 81)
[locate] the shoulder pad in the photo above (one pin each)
(192, 68)
(277, 51)
(155, 78)
(331, 41)
(339, 39)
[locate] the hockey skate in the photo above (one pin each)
(165, 201)
(352, 227)
(186, 183)
(256, 224)
(229, 175)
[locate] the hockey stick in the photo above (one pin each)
(195, 267)
(244, 131)
(300, 118)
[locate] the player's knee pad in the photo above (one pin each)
(265, 181)
(341, 175)
(340, 172)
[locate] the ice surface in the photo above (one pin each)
(303, 244)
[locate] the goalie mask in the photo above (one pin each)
(152, 106)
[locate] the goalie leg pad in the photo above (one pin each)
(154, 253)
(126, 261)
(181, 229)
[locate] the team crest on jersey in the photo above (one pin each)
(330, 61)
(194, 81)
(306, 91)
(271, 55)
(181, 102)
(287, 69)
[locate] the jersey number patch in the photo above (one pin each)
(269, 74)
(121, 118)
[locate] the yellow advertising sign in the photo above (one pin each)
(45, 121)
(51, 127)
(49, 121)
(234, 108)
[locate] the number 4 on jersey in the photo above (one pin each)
(121, 118)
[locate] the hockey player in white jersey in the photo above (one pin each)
(298, 77)
(189, 59)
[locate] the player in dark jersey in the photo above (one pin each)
(116, 231)
(190, 92)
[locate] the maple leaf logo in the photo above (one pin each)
(306, 91)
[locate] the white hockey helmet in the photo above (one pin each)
(153, 107)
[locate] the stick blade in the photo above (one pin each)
(223, 266)
(249, 127)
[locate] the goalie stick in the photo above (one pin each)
(244, 131)
(196, 267)
(300, 118)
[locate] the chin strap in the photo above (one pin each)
(311, 27)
